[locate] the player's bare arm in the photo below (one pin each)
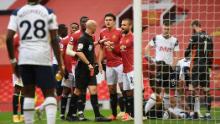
(175, 58)
(10, 48)
(100, 58)
(56, 50)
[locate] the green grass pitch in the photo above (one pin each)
(6, 118)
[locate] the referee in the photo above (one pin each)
(201, 49)
(84, 72)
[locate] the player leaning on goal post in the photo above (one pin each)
(35, 24)
(201, 49)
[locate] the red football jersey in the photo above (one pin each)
(113, 57)
(16, 45)
(127, 53)
(67, 59)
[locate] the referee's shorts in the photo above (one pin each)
(200, 76)
(83, 78)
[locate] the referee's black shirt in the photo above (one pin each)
(86, 45)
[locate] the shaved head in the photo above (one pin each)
(90, 23)
(91, 26)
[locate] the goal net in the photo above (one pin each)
(188, 102)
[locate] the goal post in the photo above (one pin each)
(138, 95)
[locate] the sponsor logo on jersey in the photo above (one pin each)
(113, 36)
(165, 49)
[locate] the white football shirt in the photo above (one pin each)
(164, 48)
(33, 23)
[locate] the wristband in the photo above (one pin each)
(12, 61)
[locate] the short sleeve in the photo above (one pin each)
(176, 46)
(12, 25)
(152, 43)
(52, 22)
(80, 45)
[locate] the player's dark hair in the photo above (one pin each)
(83, 17)
(129, 20)
(74, 23)
(61, 26)
(167, 22)
(196, 23)
(110, 15)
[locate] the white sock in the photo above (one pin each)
(42, 106)
(197, 105)
(28, 110)
(51, 109)
(166, 100)
(191, 113)
(150, 103)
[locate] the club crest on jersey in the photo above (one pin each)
(71, 39)
(127, 41)
(90, 48)
(113, 36)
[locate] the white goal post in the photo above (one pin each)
(138, 95)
